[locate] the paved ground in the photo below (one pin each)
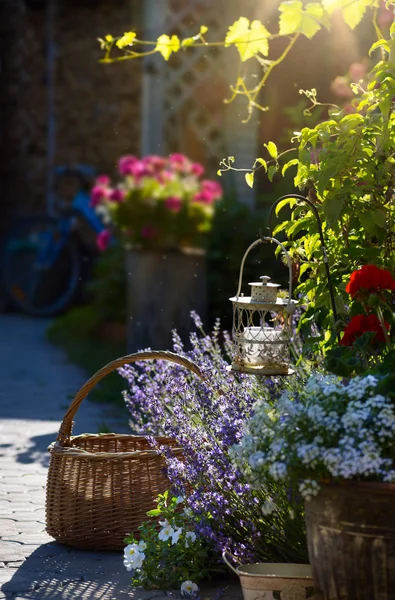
(36, 386)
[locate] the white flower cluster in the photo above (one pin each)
(133, 556)
(328, 430)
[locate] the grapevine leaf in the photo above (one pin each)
(250, 179)
(295, 19)
(379, 44)
(353, 10)
(249, 38)
(166, 45)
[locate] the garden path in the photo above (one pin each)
(36, 384)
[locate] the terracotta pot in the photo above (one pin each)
(351, 540)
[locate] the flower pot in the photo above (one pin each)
(163, 288)
(275, 581)
(351, 540)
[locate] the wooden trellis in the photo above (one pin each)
(183, 109)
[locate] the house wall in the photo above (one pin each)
(95, 109)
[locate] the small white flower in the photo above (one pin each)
(188, 588)
(164, 523)
(166, 533)
(133, 557)
(176, 535)
(142, 545)
(187, 512)
(190, 536)
(130, 551)
(179, 500)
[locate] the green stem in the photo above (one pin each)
(383, 327)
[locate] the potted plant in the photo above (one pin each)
(333, 444)
(161, 212)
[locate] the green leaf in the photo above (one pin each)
(166, 45)
(272, 149)
(379, 44)
(250, 179)
(290, 163)
(262, 162)
(332, 207)
(249, 38)
(154, 512)
(295, 19)
(379, 217)
(392, 29)
(353, 10)
(367, 222)
(271, 172)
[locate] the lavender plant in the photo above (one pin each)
(207, 418)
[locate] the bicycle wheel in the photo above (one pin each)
(41, 267)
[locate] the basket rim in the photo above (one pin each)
(71, 451)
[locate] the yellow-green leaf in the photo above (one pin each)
(187, 42)
(109, 38)
(295, 18)
(353, 10)
(249, 38)
(272, 149)
(250, 179)
(379, 44)
(262, 162)
(219, 173)
(203, 29)
(166, 45)
(126, 40)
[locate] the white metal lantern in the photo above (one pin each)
(262, 324)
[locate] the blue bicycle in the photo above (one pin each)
(45, 259)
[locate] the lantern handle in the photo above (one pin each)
(262, 240)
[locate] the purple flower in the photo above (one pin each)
(206, 418)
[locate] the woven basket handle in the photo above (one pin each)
(67, 423)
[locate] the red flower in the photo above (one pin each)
(361, 324)
(369, 280)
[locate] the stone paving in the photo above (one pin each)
(37, 384)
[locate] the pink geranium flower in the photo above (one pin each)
(103, 180)
(204, 197)
(213, 188)
(156, 162)
(173, 203)
(125, 164)
(99, 193)
(148, 232)
(197, 169)
(117, 195)
(103, 240)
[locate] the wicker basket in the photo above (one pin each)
(100, 486)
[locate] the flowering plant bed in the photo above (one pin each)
(159, 203)
(169, 554)
(328, 432)
(206, 420)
